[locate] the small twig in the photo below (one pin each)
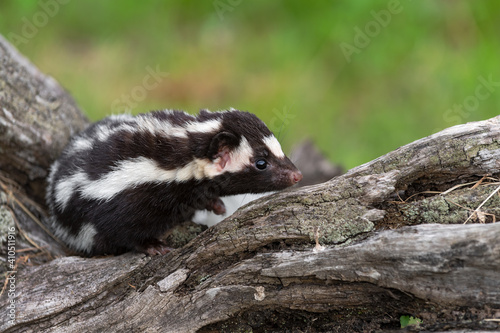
(28, 249)
(493, 216)
(21, 231)
(476, 184)
(6, 282)
(11, 195)
(482, 203)
(411, 196)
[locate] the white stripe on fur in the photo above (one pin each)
(84, 241)
(129, 174)
(232, 203)
(163, 127)
(204, 126)
(65, 188)
(54, 168)
(239, 159)
(81, 144)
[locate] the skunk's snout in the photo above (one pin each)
(295, 176)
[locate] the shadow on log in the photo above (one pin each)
(385, 239)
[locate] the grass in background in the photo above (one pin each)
(281, 60)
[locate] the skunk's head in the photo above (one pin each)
(246, 156)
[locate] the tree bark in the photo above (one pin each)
(355, 253)
(37, 118)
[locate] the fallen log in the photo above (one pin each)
(355, 253)
(37, 118)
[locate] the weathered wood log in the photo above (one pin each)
(37, 118)
(393, 242)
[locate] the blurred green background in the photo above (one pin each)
(358, 77)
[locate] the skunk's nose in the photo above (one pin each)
(296, 176)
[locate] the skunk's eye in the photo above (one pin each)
(261, 164)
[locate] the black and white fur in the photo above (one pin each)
(232, 204)
(126, 180)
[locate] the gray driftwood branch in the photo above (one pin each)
(355, 253)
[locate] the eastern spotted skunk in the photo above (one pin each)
(125, 180)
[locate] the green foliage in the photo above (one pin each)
(408, 321)
(412, 71)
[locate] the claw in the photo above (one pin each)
(153, 248)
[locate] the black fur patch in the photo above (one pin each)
(143, 212)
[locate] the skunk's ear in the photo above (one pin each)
(220, 148)
(220, 142)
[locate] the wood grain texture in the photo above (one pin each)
(37, 118)
(392, 232)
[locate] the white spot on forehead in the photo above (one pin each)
(274, 146)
